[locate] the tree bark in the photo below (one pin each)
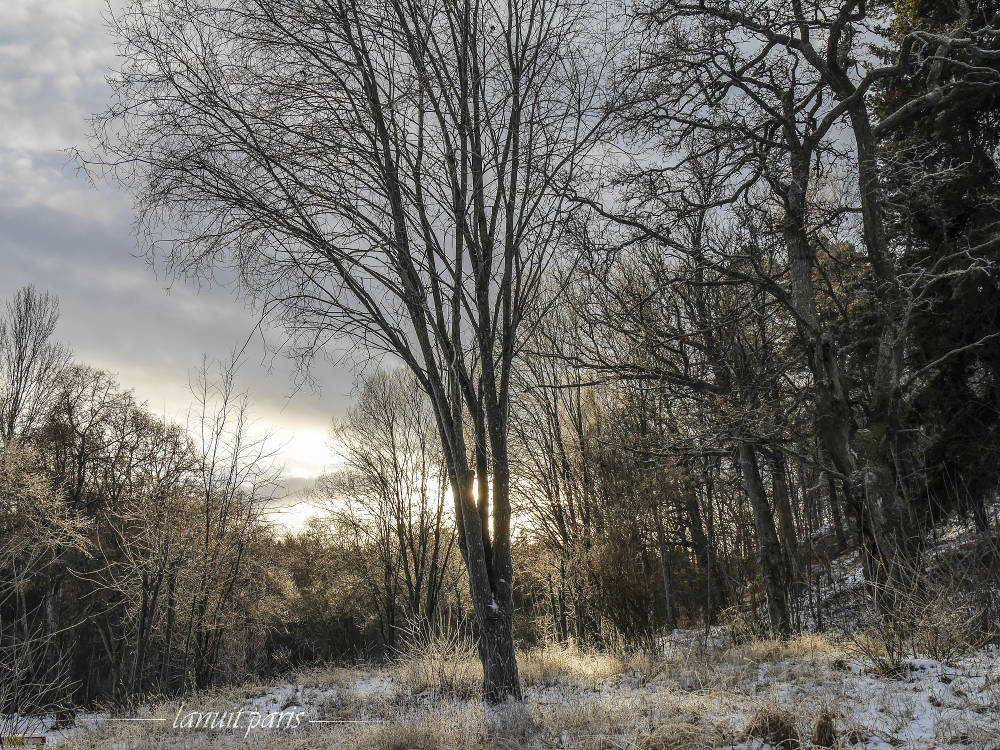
(703, 554)
(168, 633)
(489, 576)
(769, 552)
(786, 519)
(670, 605)
(835, 514)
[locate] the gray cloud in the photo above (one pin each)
(62, 234)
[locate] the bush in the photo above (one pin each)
(443, 659)
(930, 620)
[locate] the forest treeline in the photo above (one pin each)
(130, 547)
(690, 301)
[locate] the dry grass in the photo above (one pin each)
(444, 663)
(327, 676)
(673, 736)
(555, 665)
(775, 727)
(452, 724)
(449, 667)
(695, 695)
(801, 647)
(651, 720)
(825, 732)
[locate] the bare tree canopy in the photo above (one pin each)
(685, 316)
(391, 171)
(29, 360)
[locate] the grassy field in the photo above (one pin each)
(699, 693)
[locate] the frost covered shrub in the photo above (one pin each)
(443, 660)
(933, 619)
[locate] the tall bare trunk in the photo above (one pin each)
(490, 575)
(786, 519)
(769, 552)
(168, 633)
(668, 579)
(860, 459)
(835, 514)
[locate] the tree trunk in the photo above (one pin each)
(835, 514)
(714, 583)
(670, 605)
(168, 633)
(555, 612)
(870, 487)
(769, 551)
(140, 645)
(489, 579)
(783, 506)
(496, 650)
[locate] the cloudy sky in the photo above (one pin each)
(73, 239)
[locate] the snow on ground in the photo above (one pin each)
(705, 697)
(703, 691)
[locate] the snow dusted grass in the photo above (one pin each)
(698, 694)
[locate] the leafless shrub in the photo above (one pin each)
(443, 660)
(934, 618)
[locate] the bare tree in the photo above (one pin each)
(145, 533)
(388, 171)
(236, 475)
(36, 525)
(29, 361)
(778, 94)
(390, 498)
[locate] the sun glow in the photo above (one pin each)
(304, 452)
